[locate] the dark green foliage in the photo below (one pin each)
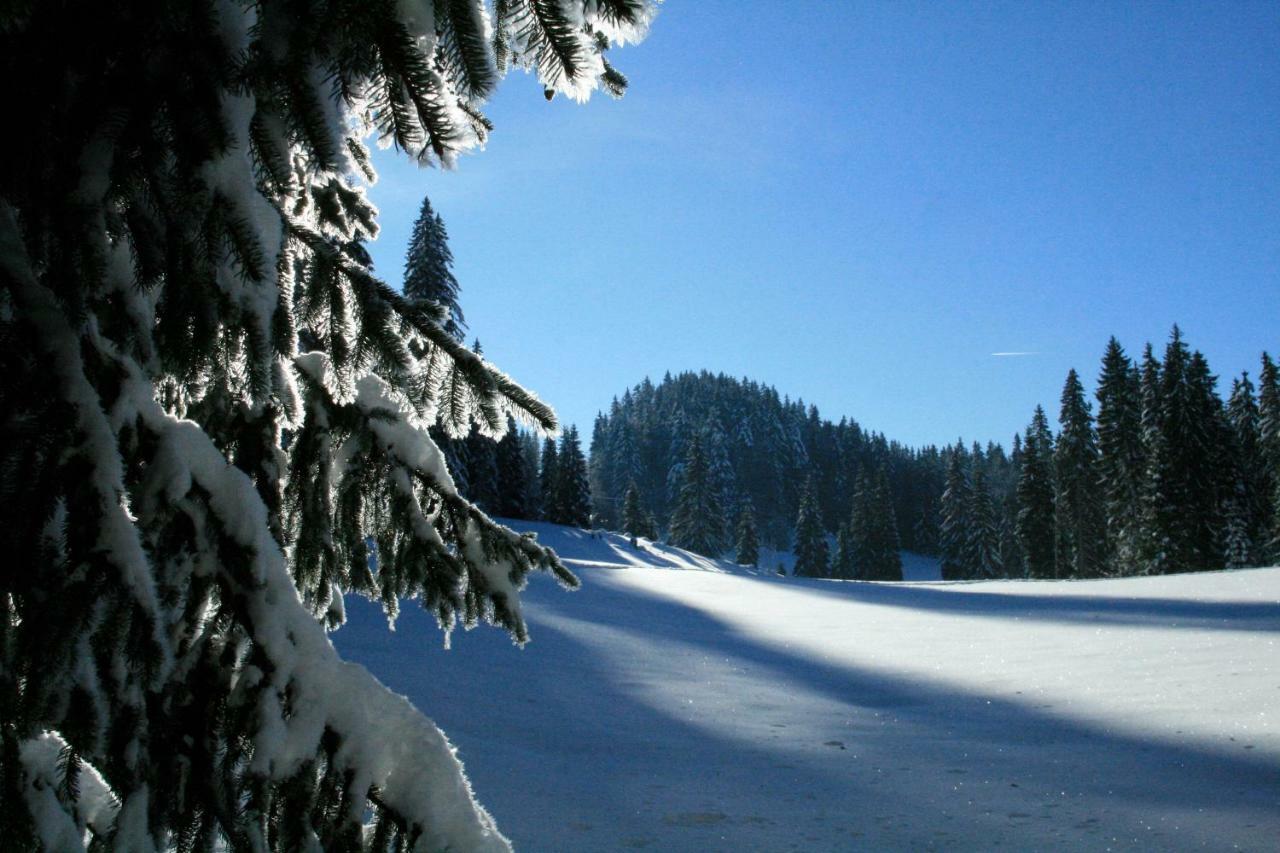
(1120, 459)
(570, 492)
(811, 538)
(428, 269)
(1078, 508)
(882, 560)
(212, 416)
(955, 530)
(512, 485)
(760, 446)
(697, 523)
(548, 480)
(1268, 460)
(983, 552)
(747, 545)
(633, 515)
(1035, 524)
(1250, 492)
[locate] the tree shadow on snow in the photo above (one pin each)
(571, 732)
(959, 599)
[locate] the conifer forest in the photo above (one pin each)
(263, 469)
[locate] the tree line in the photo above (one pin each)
(1167, 477)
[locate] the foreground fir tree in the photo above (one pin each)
(215, 419)
(811, 539)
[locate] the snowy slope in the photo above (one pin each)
(710, 709)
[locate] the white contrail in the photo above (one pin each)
(1008, 354)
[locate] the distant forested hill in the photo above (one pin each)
(760, 447)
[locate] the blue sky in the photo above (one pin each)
(861, 203)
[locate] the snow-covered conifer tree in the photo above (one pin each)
(1035, 498)
(844, 561)
(984, 531)
(571, 494)
(548, 478)
(747, 545)
(1269, 454)
(428, 270)
(1120, 459)
(811, 539)
(1078, 509)
(954, 529)
(513, 488)
(885, 563)
(633, 520)
(1245, 419)
(215, 417)
(697, 522)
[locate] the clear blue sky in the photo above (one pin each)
(860, 202)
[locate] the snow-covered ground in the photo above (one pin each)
(678, 703)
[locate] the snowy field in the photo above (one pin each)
(677, 703)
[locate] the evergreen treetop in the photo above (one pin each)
(428, 270)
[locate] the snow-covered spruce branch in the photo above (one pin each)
(490, 395)
(187, 497)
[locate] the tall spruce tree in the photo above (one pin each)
(1155, 461)
(853, 552)
(811, 540)
(571, 494)
(1211, 459)
(1078, 509)
(212, 409)
(428, 270)
(1173, 518)
(844, 561)
(983, 546)
(954, 534)
(697, 522)
(548, 480)
(884, 561)
(747, 545)
(1249, 467)
(1120, 459)
(513, 488)
(633, 517)
(1035, 498)
(1269, 455)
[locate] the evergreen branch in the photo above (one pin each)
(466, 55)
(486, 381)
